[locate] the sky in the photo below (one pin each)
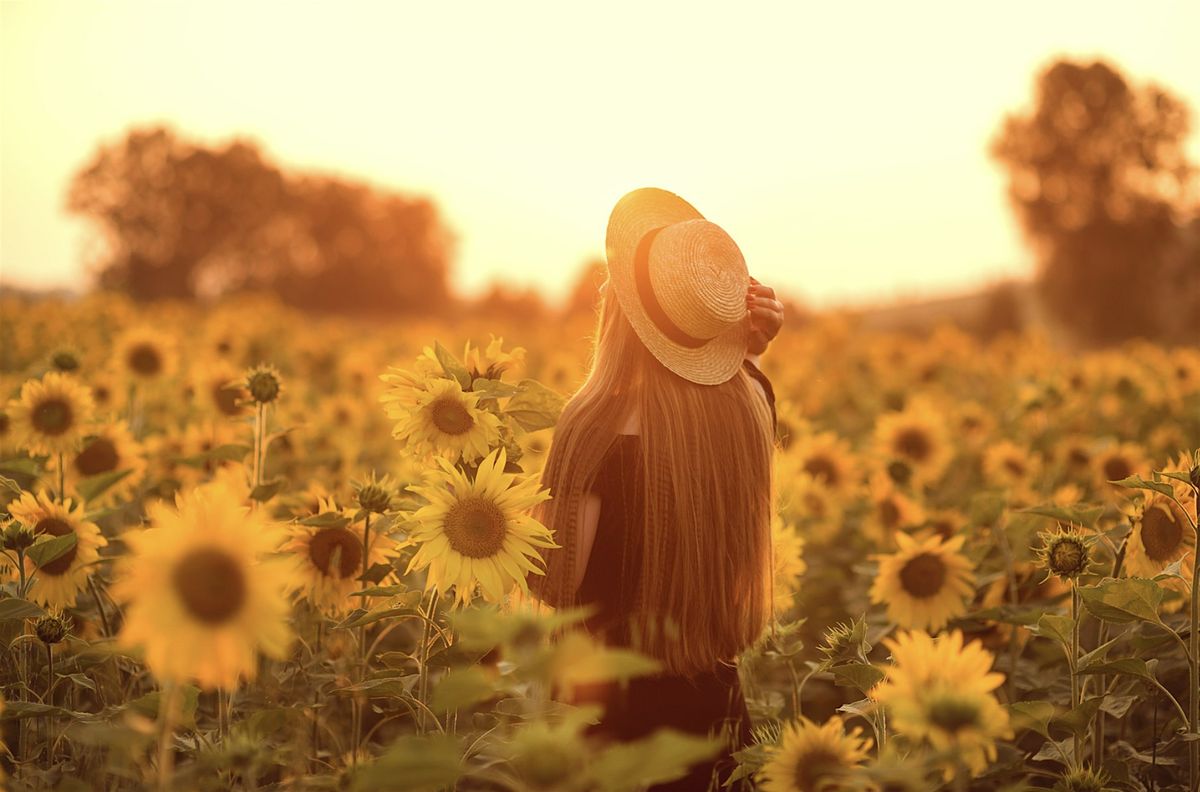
(842, 145)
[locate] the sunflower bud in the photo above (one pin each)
(1082, 780)
(1066, 552)
(17, 536)
(1194, 474)
(900, 472)
(263, 384)
(64, 360)
(52, 629)
(374, 496)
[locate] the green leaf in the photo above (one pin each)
(93, 487)
(452, 365)
(665, 755)
(382, 687)
(82, 681)
(1126, 666)
(1137, 482)
(1080, 718)
(534, 406)
(268, 489)
(45, 551)
(1051, 625)
(14, 608)
(8, 484)
(149, 704)
(1079, 514)
(326, 520)
(1120, 601)
(15, 710)
(1178, 475)
(413, 764)
(358, 618)
(377, 573)
(1032, 715)
(860, 675)
(21, 466)
(493, 389)
(461, 688)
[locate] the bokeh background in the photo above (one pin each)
(913, 163)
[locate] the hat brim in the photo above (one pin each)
(635, 214)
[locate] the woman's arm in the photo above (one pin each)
(765, 312)
(589, 518)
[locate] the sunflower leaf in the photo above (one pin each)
(413, 763)
(462, 688)
(452, 365)
(149, 705)
(534, 406)
(493, 389)
(1079, 514)
(1178, 475)
(1078, 719)
(326, 520)
(1125, 600)
(664, 756)
(93, 487)
(1052, 625)
(230, 452)
(15, 608)
(1126, 666)
(1032, 715)
(10, 485)
(1137, 482)
(44, 552)
(268, 489)
(860, 675)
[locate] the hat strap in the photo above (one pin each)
(641, 272)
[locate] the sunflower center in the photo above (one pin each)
(923, 575)
(914, 444)
(476, 527)
(1014, 466)
(56, 527)
(889, 513)
(1078, 457)
(5, 423)
(211, 585)
(953, 715)
(451, 417)
(145, 360)
(326, 543)
(814, 504)
(820, 467)
(226, 399)
(814, 767)
(1068, 557)
(1161, 534)
(1117, 468)
(100, 456)
(52, 416)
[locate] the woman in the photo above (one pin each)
(660, 468)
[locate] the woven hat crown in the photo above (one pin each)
(699, 277)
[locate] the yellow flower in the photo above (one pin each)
(51, 415)
(828, 459)
(492, 362)
(330, 558)
(787, 546)
(939, 691)
(58, 582)
(925, 583)
(202, 591)
(1117, 462)
(812, 758)
(217, 387)
(918, 437)
(891, 511)
(478, 531)
(445, 421)
(1161, 535)
(144, 354)
(107, 449)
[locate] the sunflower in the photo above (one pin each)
(218, 388)
(926, 583)
(1117, 462)
(916, 435)
(946, 523)
(1011, 467)
(330, 558)
(787, 547)
(108, 393)
(202, 591)
(445, 421)
(107, 449)
(828, 459)
(493, 362)
(477, 530)
(51, 415)
(811, 757)
(57, 582)
(890, 511)
(974, 423)
(939, 691)
(145, 354)
(1161, 535)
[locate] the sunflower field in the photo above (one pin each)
(243, 548)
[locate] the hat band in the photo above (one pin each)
(641, 272)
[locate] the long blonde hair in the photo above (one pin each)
(706, 573)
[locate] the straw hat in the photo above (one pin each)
(682, 282)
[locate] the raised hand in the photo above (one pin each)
(766, 316)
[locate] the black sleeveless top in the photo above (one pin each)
(704, 704)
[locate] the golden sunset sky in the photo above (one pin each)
(842, 145)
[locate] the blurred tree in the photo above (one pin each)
(505, 303)
(586, 291)
(1099, 180)
(180, 220)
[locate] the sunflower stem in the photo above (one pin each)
(426, 645)
(1075, 702)
(166, 722)
(316, 724)
(50, 701)
(99, 605)
(1194, 660)
(62, 479)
